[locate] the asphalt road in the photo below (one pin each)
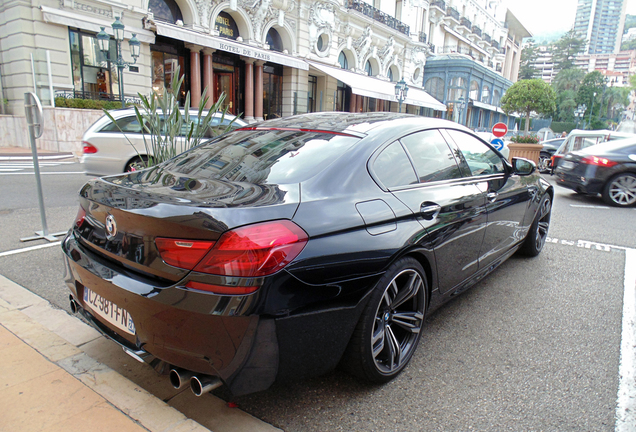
(535, 346)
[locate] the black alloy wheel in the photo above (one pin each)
(620, 191)
(538, 233)
(390, 327)
(544, 163)
(137, 163)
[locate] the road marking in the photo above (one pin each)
(586, 244)
(28, 249)
(589, 206)
(40, 157)
(626, 402)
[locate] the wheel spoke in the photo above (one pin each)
(378, 338)
(543, 228)
(394, 349)
(408, 292)
(410, 321)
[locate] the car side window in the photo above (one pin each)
(125, 124)
(480, 159)
(431, 156)
(393, 167)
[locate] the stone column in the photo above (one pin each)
(353, 102)
(195, 76)
(208, 76)
(249, 90)
(258, 91)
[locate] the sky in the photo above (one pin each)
(550, 17)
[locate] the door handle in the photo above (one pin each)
(429, 211)
(492, 196)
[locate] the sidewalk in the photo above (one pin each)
(54, 378)
(21, 153)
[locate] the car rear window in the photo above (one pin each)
(262, 157)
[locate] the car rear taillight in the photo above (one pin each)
(88, 148)
(250, 251)
(81, 215)
(182, 253)
(221, 289)
(595, 160)
(254, 250)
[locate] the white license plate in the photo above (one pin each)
(567, 165)
(109, 311)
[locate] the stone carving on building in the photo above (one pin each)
(387, 53)
(204, 8)
(362, 45)
(87, 8)
(322, 19)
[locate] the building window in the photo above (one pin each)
(272, 92)
(165, 10)
(474, 90)
(485, 94)
(435, 87)
(368, 69)
(274, 40)
(496, 97)
(456, 89)
(342, 98)
(342, 59)
(164, 66)
(94, 75)
(311, 93)
(226, 26)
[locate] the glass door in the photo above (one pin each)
(223, 83)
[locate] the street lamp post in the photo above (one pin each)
(401, 90)
(579, 113)
(103, 40)
(591, 109)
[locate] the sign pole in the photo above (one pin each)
(33, 111)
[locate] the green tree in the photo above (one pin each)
(528, 58)
(566, 49)
(568, 79)
(527, 96)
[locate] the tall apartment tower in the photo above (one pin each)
(601, 23)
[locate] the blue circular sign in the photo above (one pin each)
(498, 144)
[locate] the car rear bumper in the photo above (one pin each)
(579, 183)
(222, 336)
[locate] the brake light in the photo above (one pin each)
(81, 215)
(88, 148)
(182, 253)
(595, 160)
(250, 251)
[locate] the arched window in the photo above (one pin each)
(165, 10)
(435, 87)
(456, 89)
(274, 40)
(474, 90)
(226, 26)
(368, 69)
(342, 59)
(496, 97)
(485, 94)
(391, 75)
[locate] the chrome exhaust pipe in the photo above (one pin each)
(203, 384)
(74, 305)
(179, 377)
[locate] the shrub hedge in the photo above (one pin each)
(86, 103)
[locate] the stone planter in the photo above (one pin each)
(528, 151)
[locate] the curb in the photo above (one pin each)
(25, 157)
(60, 338)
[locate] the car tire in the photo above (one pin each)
(538, 233)
(389, 329)
(544, 163)
(130, 166)
(620, 190)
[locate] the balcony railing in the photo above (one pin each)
(477, 31)
(452, 12)
(422, 37)
(487, 37)
(495, 44)
(452, 49)
(439, 3)
(465, 22)
(378, 15)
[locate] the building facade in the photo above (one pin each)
(601, 23)
(271, 58)
(617, 68)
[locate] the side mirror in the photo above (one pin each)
(523, 167)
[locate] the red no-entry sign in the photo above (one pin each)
(499, 129)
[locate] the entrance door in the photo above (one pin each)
(223, 83)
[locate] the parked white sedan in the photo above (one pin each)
(106, 151)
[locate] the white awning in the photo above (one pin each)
(486, 106)
(93, 24)
(376, 88)
(228, 45)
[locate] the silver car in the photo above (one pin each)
(106, 151)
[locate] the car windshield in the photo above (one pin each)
(262, 157)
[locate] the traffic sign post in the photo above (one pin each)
(498, 144)
(499, 129)
(33, 111)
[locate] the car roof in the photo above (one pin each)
(608, 146)
(353, 123)
(581, 132)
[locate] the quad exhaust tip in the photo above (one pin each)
(203, 384)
